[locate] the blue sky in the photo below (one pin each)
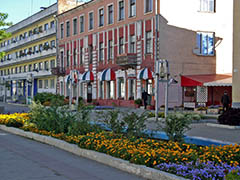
(20, 9)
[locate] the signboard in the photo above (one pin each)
(189, 104)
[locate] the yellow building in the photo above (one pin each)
(30, 55)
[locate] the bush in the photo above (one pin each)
(135, 123)
(175, 126)
(49, 97)
(138, 102)
(160, 114)
(112, 119)
(230, 117)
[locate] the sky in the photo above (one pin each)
(18, 10)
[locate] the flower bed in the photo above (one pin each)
(149, 152)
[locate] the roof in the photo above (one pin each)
(206, 80)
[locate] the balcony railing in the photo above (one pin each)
(127, 60)
(30, 39)
(30, 57)
(58, 71)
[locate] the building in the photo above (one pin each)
(30, 55)
(236, 55)
(110, 45)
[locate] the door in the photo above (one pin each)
(89, 92)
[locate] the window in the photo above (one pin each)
(110, 49)
(16, 70)
(121, 10)
(121, 88)
(121, 46)
(52, 24)
(101, 89)
(25, 68)
(101, 51)
(40, 66)
(68, 58)
(81, 55)
(20, 69)
(110, 14)
(34, 49)
(148, 6)
(132, 8)
(148, 42)
(74, 56)
(35, 68)
(132, 44)
(46, 26)
(52, 84)
(40, 29)
(25, 35)
(40, 47)
(46, 84)
(68, 29)
(46, 66)
(62, 58)
(81, 24)
(53, 43)
(90, 54)
(25, 52)
(29, 68)
(62, 30)
(207, 5)
(205, 43)
(90, 20)
(8, 71)
(30, 33)
(40, 85)
(52, 63)
(101, 17)
(75, 26)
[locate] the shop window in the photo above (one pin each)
(102, 89)
(46, 84)
(121, 88)
(52, 83)
(40, 84)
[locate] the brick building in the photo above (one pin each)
(111, 46)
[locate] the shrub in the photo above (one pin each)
(135, 123)
(112, 120)
(175, 126)
(138, 102)
(160, 114)
(48, 97)
(230, 117)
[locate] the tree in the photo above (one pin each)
(3, 33)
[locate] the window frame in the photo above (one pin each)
(110, 50)
(130, 8)
(62, 30)
(112, 13)
(146, 11)
(68, 29)
(90, 28)
(121, 45)
(101, 17)
(200, 44)
(75, 26)
(119, 10)
(101, 51)
(81, 24)
(148, 42)
(208, 8)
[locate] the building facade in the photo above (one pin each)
(30, 55)
(110, 45)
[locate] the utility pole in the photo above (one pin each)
(156, 63)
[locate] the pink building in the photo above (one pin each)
(110, 44)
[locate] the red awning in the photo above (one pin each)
(199, 80)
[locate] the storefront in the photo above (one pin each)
(205, 90)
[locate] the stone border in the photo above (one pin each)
(139, 170)
(222, 126)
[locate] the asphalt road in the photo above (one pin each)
(24, 159)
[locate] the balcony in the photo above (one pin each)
(40, 55)
(35, 74)
(58, 71)
(127, 60)
(30, 39)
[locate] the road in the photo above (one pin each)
(24, 159)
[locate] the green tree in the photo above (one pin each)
(3, 25)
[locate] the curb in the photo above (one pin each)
(16, 104)
(139, 170)
(222, 126)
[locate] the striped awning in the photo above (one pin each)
(88, 76)
(145, 74)
(108, 75)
